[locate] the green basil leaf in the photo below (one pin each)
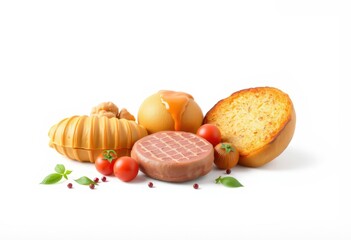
(65, 176)
(68, 172)
(52, 178)
(230, 182)
(60, 168)
(84, 181)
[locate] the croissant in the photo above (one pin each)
(83, 138)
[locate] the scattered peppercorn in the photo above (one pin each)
(70, 185)
(150, 184)
(228, 171)
(96, 180)
(196, 186)
(92, 186)
(103, 179)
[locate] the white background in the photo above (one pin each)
(60, 58)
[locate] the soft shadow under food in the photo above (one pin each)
(292, 159)
(140, 178)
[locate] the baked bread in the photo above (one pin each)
(83, 138)
(260, 122)
(170, 111)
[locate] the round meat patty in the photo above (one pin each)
(173, 156)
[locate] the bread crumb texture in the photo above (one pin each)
(251, 118)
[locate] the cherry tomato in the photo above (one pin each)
(126, 168)
(105, 161)
(211, 133)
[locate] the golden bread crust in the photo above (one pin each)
(82, 138)
(260, 122)
(273, 149)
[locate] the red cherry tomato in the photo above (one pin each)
(105, 161)
(126, 168)
(211, 133)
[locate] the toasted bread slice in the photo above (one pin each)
(260, 122)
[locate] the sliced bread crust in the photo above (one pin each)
(260, 122)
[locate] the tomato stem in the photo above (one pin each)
(108, 156)
(228, 148)
(218, 180)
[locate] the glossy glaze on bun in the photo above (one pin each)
(155, 117)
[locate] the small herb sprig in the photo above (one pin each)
(228, 182)
(85, 181)
(60, 171)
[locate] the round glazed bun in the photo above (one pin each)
(154, 115)
(259, 122)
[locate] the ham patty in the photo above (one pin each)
(173, 156)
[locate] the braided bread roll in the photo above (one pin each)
(83, 138)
